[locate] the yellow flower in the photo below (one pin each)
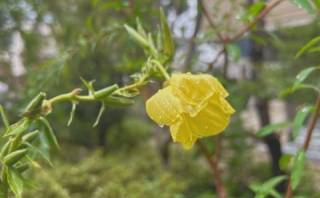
(193, 106)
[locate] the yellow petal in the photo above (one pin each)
(164, 108)
(212, 119)
(195, 90)
(181, 132)
(216, 85)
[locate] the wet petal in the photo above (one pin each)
(216, 85)
(181, 132)
(163, 107)
(212, 119)
(193, 89)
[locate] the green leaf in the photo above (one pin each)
(14, 157)
(168, 45)
(15, 182)
(253, 11)
(4, 118)
(300, 118)
(134, 34)
(304, 4)
(303, 75)
(48, 132)
(5, 148)
(72, 112)
(44, 153)
(269, 129)
(307, 46)
(105, 92)
(19, 127)
(273, 182)
(118, 101)
(102, 109)
(22, 168)
(285, 161)
(89, 85)
(297, 171)
(29, 137)
(35, 104)
(267, 188)
(234, 51)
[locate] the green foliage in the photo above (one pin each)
(297, 169)
(267, 130)
(268, 188)
(308, 47)
(300, 118)
(253, 10)
(305, 4)
(138, 174)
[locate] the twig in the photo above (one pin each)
(225, 62)
(248, 27)
(211, 65)
(211, 22)
(192, 43)
(214, 162)
(307, 141)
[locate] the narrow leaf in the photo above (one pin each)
(14, 157)
(88, 85)
(269, 129)
(72, 112)
(19, 127)
(252, 11)
(303, 75)
(102, 109)
(48, 132)
(168, 45)
(273, 182)
(297, 170)
(300, 118)
(140, 39)
(285, 162)
(307, 46)
(15, 182)
(4, 118)
(102, 93)
(304, 4)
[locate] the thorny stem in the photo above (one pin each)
(307, 141)
(214, 164)
(74, 95)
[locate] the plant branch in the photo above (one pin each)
(211, 22)
(192, 42)
(214, 164)
(312, 124)
(249, 26)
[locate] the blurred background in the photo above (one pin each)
(48, 45)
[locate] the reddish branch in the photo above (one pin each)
(225, 40)
(214, 165)
(211, 22)
(251, 25)
(312, 124)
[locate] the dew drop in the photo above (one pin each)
(161, 125)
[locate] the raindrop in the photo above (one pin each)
(161, 125)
